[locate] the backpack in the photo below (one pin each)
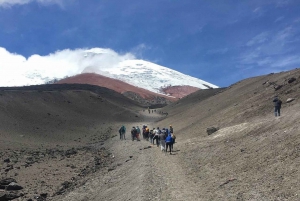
(169, 138)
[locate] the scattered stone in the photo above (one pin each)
(5, 182)
(292, 79)
(277, 87)
(7, 160)
(111, 169)
(211, 130)
(130, 156)
(289, 100)
(13, 186)
(4, 196)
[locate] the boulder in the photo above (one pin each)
(13, 186)
(5, 182)
(289, 100)
(4, 196)
(211, 130)
(292, 79)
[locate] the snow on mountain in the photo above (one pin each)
(16, 70)
(151, 76)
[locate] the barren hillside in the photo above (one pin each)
(254, 155)
(60, 142)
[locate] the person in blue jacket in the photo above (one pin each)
(169, 143)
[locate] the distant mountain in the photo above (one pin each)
(149, 76)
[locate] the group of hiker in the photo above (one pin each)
(163, 138)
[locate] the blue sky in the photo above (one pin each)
(217, 41)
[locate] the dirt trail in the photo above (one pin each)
(140, 171)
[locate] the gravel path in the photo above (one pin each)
(138, 173)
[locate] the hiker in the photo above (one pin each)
(171, 129)
(138, 132)
(173, 140)
(156, 136)
(122, 132)
(277, 104)
(162, 138)
(169, 143)
(151, 135)
(146, 133)
(133, 133)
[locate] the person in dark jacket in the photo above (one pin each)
(277, 104)
(133, 133)
(122, 132)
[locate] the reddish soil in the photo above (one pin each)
(179, 91)
(110, 83)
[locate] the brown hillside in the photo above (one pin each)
(116, 85)
(179, 91)
(254, 155)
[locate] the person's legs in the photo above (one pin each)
(278, 111)
(169, 144)
(275, 111)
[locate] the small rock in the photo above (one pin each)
(7, 160)
(7, 181)
(13, 186)
(111, 169)
(292, 79)
(9, 195)
(211, 130)
(277, 87)
(289, 100)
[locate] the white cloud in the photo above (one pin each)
(218, 51)
(9, 3)
(279, 19)
(260, 38)
(16, 70)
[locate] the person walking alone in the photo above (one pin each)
(277, 104)
(122, 132)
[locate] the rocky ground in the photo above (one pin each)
(76, 153)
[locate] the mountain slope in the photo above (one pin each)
(254, 155)
(139, 94)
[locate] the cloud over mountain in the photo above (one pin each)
(17, 70)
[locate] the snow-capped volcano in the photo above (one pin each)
(150, 76)
(17, 70)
